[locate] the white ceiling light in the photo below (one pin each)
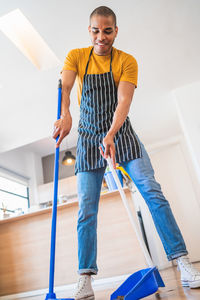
(22, 33)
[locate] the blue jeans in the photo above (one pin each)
(141, 172)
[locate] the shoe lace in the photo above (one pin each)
(82, 282)
(188, 266)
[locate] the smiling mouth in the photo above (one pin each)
(100, 44)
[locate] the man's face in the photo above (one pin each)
(103, 33)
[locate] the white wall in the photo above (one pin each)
(171, 161)
(34, 169)
(187, 100)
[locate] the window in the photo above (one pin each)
(14, 196)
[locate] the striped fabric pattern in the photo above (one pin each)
(98, 104)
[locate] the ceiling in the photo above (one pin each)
(162, 35)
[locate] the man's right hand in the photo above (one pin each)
(62, 128)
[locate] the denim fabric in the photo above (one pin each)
(142, 174)
(89, 188)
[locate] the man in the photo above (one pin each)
(107, 78)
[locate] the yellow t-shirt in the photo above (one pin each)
(124, 66)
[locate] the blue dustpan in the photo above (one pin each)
(51, 295)
(139, 285)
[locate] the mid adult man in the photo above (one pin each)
(107, 78)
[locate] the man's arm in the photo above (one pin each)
(63, 126)
(125, 95)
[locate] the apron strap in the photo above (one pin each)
(111, 61)
(89, 60)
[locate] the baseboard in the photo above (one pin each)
(99, 284)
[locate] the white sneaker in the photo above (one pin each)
(189, 275)
(84, 288)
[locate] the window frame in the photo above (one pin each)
(18, 178)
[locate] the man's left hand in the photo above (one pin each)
(109, 146)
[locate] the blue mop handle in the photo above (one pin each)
(54, 209)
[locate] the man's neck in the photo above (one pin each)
(103, 54)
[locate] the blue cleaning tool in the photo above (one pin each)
(144, 282)
(51, 295)
(137, 286)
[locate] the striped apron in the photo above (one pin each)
(98, 104)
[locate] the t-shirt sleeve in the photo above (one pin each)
(130, 70)
(71, 61)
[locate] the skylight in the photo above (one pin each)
(22, 33)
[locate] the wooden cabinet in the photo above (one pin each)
(25, 244)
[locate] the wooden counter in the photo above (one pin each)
(25, 246)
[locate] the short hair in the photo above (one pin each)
(104, 11)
